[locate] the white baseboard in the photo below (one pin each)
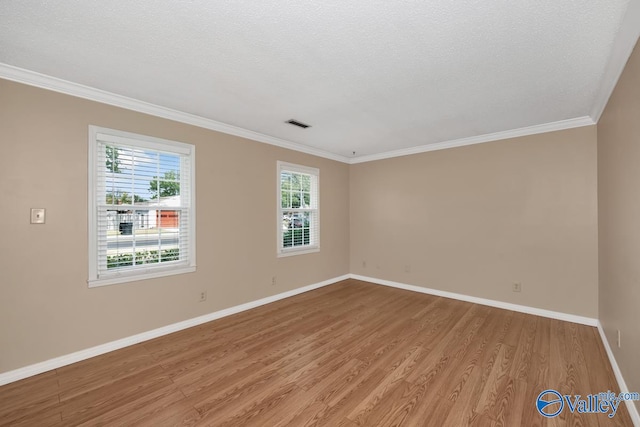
(58, 362)
(631, 407)
(483, 301)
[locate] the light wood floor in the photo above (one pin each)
(350, 354)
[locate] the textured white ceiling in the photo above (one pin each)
(370, 76)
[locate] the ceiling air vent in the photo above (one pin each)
(297, 123)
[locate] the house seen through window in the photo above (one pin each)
(142, 210)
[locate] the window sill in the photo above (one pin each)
(135, 276)
(302, 251)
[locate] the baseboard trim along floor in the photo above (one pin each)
(58, 362)
(631, 407)
(482, 301)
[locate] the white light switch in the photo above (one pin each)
(37, 215)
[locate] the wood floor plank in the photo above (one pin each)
(304, 415)
(278, 408)
(440, 352)
(462, 404)
(98, 401)
(40, 419)
(179, 413)
(343, 397)
(496, 382)
(394, 377)
(435, 396)
(38, 394)
(144, 406)
(524, 349)
(334, 388)
(350, 354)
(538, 373)
(530, 415)
(243, 400)
(75, 380)
(217, 377)
(43, 408)
(394, 408)
(206, 358)
(262, 406)
(459, 375)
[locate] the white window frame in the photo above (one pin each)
(144, 271)
(314, 244)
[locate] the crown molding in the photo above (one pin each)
(496, 136)
(621, 49)
(55, 84)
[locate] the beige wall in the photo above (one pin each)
(475, 219)
(46, 308)
(619, 220)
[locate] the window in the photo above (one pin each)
(141, 207)
(298, 209)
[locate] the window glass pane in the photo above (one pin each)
(140, 215)
(169, 186)
(298, 208)
(120, 243)
(296, 183)
(168, 223)
(295, 199)
(138, 176)
(285, 181)
(306, 182)
(287, 229)
(112, 159)
(293, 224)
(142, 237)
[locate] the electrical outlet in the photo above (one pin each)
(517, 287)
(619, 339)
(203, 296)
(407, 268)
(273, 281)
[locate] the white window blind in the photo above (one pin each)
(298, 209)
(142, 210)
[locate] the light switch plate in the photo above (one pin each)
(37, 215)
